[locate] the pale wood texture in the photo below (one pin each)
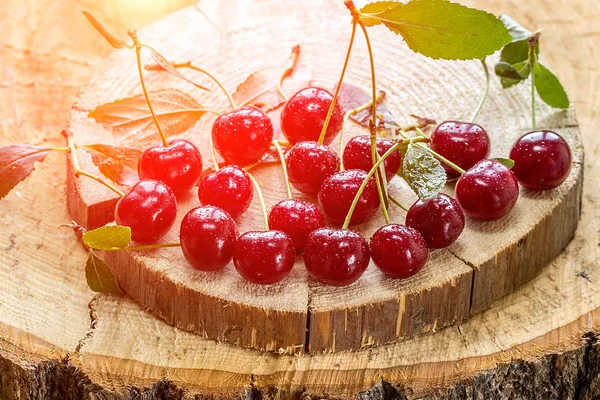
(487, 262)
(58, 340)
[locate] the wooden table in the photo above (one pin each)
(49, 51)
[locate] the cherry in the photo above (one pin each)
(297, 219)
(309, 164)
(264, 257)
(207, 236)
(357, 155)
(178, 165)
(242, 136)
(463, 143)
(336, 257)
(399, 251)
(149, 209)
(229, 188)
(487, 191)
(338, 191)
(440, 220)
(304, 114)
(542, 160)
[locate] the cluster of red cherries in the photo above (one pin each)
(486, 190)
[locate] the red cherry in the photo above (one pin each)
(264, 257)
(242, 136)
(336, 257)
(398, 251)
(178, 165)
(207, 236)
(230, 188)
(542, 160)
(149, 209)
(297, 219)
(338, 191)
(463, 143)
(304, 114)
(487, 191)
(309, 164)
(440, 220)
(357, 155)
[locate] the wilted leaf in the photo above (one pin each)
(423, 173)
(352, 97)
(16, 163)
(109, 237)
(549, 88)
(167, 66)
(110, 38)
(507, 162)
(132, 121)
(376, 8)
(99, 276)
(261, 86)
(441, 29)
(513, 73)
(118, 164)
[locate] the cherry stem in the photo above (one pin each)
(339, 85)
(485, 93)
(261, 199)
(380, 177)
(533, 41)
(439, 156)
(284, 168)
(146, 247)
(77, 171)
(397, 202)
(392, 149)
(211, 76)
(60, 149)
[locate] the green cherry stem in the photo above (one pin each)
(375, 167)
(397, 202)
(485, 93)
(439, 156)
(261, 199)
(339, 85)
(77, 171)
(138, 49)
(533, 41)
(284, 168)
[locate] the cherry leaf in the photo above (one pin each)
(260, 87)
(16, 163)
(352, 97)
(423, 172)
(507, 162)
(441, 29)
(512, 74)
(375, 8)
(132, 121)
(110, 38)
(118, 164)
(549, 88)
(517, 31)
(167, 66)
(99, 276)
(108, 237)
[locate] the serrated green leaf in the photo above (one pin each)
(441, 29)
(423, 173)
(549, 88)
(517, 52)
(507, 162)
(517, 31)
(108, 237)
(99, 276)
(377, 7)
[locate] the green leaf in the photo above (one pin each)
(441, 29)
(110, 38)
(517, 31)
(99, 276)
(377, 7)
(109, 237)
(423, 173)
(522, 70)
(506, 70)
(507, 162)
(549, 88)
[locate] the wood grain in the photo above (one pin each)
(539, 342)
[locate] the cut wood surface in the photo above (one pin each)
(490, 260)
(59, 340)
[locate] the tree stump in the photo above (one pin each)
(385, 339)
